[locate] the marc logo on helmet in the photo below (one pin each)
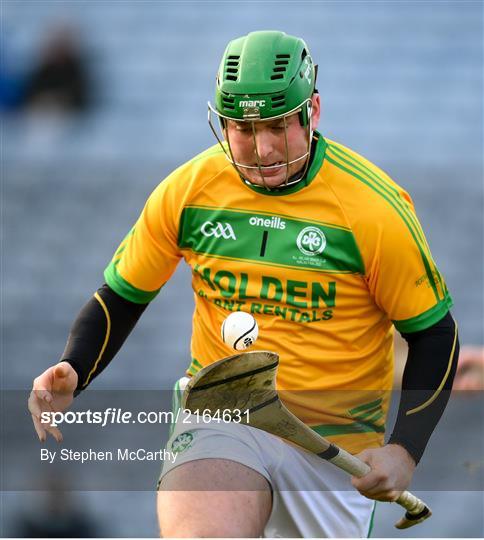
(218, 229)
(252, 103)
(311, 241)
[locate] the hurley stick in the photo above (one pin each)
(246, 382)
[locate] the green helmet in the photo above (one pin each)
(263, 75)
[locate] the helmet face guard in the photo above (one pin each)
(240, 167)
(264, 76)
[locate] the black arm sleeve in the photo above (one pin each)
(426, 384)
(98, 332)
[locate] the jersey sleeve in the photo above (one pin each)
(400, 271)
(149, 254)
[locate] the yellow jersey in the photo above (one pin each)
(327, 267)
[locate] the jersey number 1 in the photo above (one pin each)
(264, 243)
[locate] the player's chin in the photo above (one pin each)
(272, 180)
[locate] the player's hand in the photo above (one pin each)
(53, 391)
(392, 469)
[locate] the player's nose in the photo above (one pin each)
(264, 145)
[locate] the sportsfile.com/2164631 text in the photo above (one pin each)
(113, 415)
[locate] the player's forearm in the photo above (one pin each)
(98, 332)
(426, 384)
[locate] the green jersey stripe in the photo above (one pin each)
(372, 519)
(370, 417)
(361, 167)
(425, 319)
(388, 188)
(191, 370)
(288, 243)
(328, 430)
(196, 363)
(125, 289)
(366, 406)
(195, 367)
(381, 180)
(400, 213)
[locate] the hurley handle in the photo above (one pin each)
(416, 510)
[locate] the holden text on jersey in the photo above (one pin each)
(284, 299)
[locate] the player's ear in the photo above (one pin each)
(315, 109)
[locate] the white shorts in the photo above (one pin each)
(311, 498)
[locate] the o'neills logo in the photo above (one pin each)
(253, 103)
(271, 223)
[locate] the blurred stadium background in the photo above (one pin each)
(401, 83)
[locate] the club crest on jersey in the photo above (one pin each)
(218, 229)
(182, 442)
(311, 241)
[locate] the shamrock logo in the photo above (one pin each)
(182, 442)
(311, 241)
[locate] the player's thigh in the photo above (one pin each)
(213, 498)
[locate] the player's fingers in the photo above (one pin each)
(44, 395)
(42, 386)
(41, 433)
(368, 483)
(34, 404)
(49, 428)
(53, 430)
(65, 378)
(55, 433)
(44, 380)
(365, 456)
(43, 427)
(371, 487)
(61, 370)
